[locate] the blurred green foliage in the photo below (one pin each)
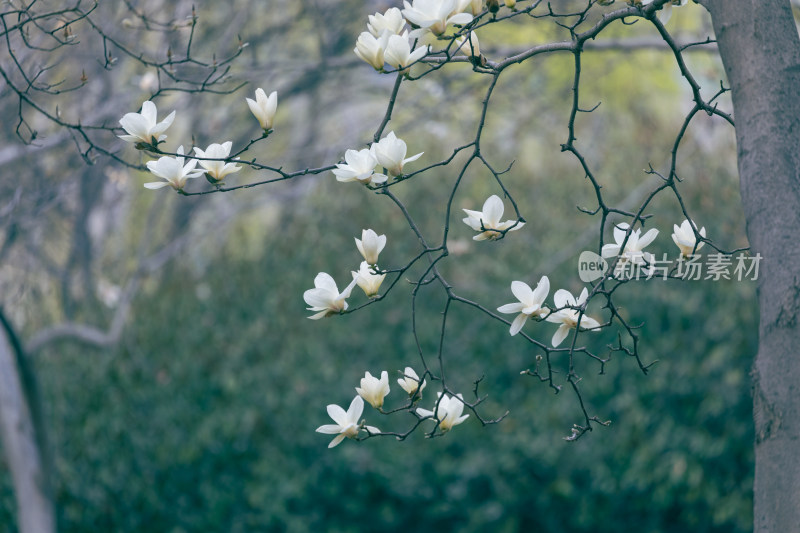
(203, 418)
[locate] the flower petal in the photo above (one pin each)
(335, 442)
(337, 414)
(522, 291)
(560, 334)
(492, 211)
(518, 323)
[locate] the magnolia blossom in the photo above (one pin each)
(374, 390)
(568, 318)
(370, 245)
(359, 166)
(173, 171)
(347, 424)
(369, 282)
(371, 49)
(144, 127)
(469, 46)
(390, 152)
(633, 248)
(391, 21)
(398, 51)
(410, 382)
(264, 108)
(685, 238)
(474, 7)
(325, 297)
(217, 169)
(488, 220)
(448, 413)
(530, 302)
(434, 15)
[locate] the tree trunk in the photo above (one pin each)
(22, 439)
(760, 48)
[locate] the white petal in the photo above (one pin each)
(512, 308)
(329, 429)
(647, 238)
(522, 291)
(324, 280)
(619, 232)
(337, 414)
(355, 409)
(492, 211)
(335, 442)
(563, 298)
(560, 334)
(588, 322)
(610, 250)
(518, 323)
(542, 290)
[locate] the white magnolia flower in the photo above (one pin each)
(434, 15)
(470, 47)
(359, 166)
(568, 318)
(369, 282)
(633, 248)
(530, 302)
(410, 382)
(264, 108)
(685, 238)
(374, 390)
(391, 21)
(398, 52)
(325, 297)
(143, 127)
(448, 413)
(347, 424)
(173, 171)
(489, 219)
(474, 7)
(371, 49)
(390, 152)
(217, 169)
(370, 245)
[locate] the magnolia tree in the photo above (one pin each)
(759, 46)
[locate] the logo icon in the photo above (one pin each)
(591, 266)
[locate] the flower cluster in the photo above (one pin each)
(326, 300)
(386, 42)
(447, 411)
(389, 153)
(146, 132)
(684, 236)
(567, 313)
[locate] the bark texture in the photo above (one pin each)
(760, 48)
(22, 441)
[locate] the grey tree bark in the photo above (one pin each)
(23, 439)
(760, 48)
